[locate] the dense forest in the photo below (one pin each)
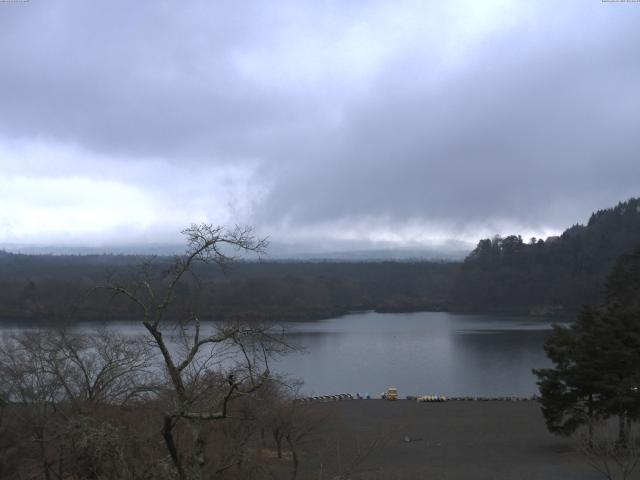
(555, 275)
(552, 275)
(47, 287)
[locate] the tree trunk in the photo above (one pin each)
(43, 454)
(198, 449)
(590, 415)
(167, 434)
(278, 439)
(622, 429)
(294, 458)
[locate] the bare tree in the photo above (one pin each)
(604, 451)
(86, 400)
(29, 387)
(288, 421)
(207, 366)
(54, 380)
(302, 422)
(362, 455)
(99, 367)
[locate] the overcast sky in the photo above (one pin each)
(401, 122)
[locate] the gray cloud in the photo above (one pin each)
(539, 134)
(405, 120)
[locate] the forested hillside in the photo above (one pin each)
(538, 276)
(556, 275)
(42, 287)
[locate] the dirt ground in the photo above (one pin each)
(375, 439)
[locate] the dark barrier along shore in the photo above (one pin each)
(419, 398)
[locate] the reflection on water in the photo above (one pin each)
(425, 352)
(419, 353)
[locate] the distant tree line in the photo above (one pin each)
(556, 275)
(43, 287)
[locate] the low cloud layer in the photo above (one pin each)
(404, 123)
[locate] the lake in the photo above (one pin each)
(418, 353)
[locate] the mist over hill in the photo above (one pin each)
(556, 275)
(277, 250)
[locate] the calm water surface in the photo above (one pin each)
(418, 353)
(425, 352)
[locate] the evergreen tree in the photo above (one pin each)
(569, 393)
(596, 370)
(561, 273)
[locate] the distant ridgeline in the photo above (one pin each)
(501, 275)
(42, 287)
(545, 277)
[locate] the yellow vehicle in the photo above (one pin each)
(392, 393)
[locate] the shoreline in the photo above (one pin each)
(484, 440)
(293, 318)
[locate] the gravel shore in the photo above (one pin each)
(439, 441)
